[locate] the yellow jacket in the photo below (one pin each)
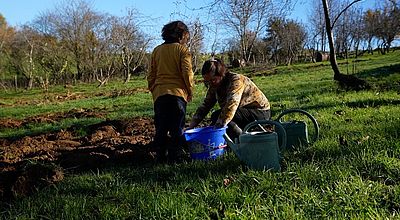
(171, 71)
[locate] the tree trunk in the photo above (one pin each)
(356, 48)
(332, 53)
(4, 87)
(370, 50)
(346, 81)
(16, 82)
(127, 78)
(30, 83)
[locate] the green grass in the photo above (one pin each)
(357, 180)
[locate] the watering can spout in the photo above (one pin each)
(230, 143)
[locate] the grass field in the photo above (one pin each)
(351, 172)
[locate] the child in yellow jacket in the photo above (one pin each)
(171, 83)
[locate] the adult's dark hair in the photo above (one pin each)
(173, 31)
(214, 66)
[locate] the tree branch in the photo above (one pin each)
(337, 17)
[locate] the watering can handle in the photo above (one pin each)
(314, 121)
(278, 125)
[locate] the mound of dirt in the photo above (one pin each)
(32, 162)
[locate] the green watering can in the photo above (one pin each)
(297, 131)
(259, 149)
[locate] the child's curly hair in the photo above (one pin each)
(174, 31)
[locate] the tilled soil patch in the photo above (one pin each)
(32, 162)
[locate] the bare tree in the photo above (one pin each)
(76, 41)
(53, 58)
(285, 38)
(341, 29)
(101, 51)
(23, 54)
(248, 16)
(196, 42)
(370, 21)
(342, 33)
(357, 32)
(317, 26)
(232, 47)
(388, 23)
(345, 80)
(131, 43)
(6, 37)
(92, 46)
(75, 23)
(260, 51)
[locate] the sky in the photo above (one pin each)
(19, 12)
(160, 12)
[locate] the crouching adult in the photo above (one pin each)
(239, 99)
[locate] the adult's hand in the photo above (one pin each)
(218, 125)
(191, 126)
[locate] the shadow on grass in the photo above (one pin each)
(363, 154)
(152, 177)
(371, 103)
(347, 144)
(368, 103)
(380, 72)
(383, 78)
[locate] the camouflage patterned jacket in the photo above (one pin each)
(234, 91)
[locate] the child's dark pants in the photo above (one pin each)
(169, 120)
